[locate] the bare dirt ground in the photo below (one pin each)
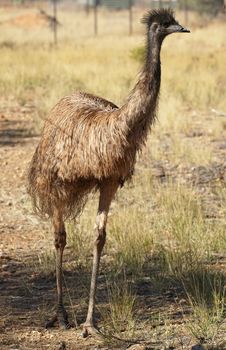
(25, 294)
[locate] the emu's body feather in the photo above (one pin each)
(87, 139)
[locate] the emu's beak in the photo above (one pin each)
(177, 28)
(184, 30)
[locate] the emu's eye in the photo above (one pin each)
(166, 24)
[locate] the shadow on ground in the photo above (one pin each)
(10, 134)
(25, 291)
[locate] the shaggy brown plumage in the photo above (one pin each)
(65, 166)
(88, 143)
(85, 139)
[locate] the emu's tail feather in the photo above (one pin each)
(48, 192)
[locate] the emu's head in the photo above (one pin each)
(162, 23)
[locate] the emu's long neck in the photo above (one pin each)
(140, 107)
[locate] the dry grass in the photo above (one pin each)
(206, 296)
(154, 225)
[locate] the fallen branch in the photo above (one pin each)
(218, 113)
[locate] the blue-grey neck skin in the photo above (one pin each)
(153, 47)
(152, 67)
(142, 102)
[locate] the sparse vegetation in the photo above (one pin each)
(206, 296)
(120, 320)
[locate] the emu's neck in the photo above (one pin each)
(140, 107)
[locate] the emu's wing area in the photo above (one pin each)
(77, 136)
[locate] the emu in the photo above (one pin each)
(87, 144)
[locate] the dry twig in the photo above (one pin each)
(218, 113)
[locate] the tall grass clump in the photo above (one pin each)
(119, 319)
(205, 291)
(184, 237)
(80, 243)
(130, 240)
(45, 262)
(80, 237)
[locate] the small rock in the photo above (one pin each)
(158, 172)
(62, 346)
(222, 145)
(137, 347)
(4, 267)
(197, 347)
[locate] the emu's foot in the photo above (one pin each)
(62, 320)
(90, 330)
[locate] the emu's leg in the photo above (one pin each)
(60, 243)
(107, 192)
